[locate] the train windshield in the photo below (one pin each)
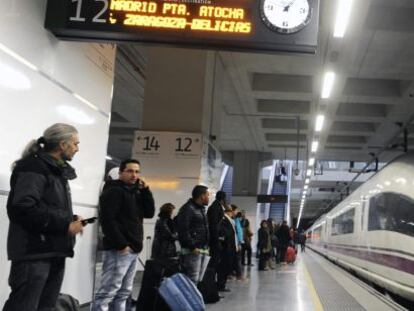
(392, 212)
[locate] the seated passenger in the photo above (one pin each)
(165, 234)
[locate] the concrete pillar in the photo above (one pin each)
(183, 94)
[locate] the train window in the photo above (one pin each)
(316, 233)
(344, 223)
(392, 212)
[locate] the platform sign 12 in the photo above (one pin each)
(167, 145)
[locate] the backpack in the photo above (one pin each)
(67, 303)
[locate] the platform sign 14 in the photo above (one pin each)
(167, 144)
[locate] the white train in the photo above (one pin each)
(371, 232)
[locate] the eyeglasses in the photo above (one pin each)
(132, 171)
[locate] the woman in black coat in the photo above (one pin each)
(165, 235)
(264, 245)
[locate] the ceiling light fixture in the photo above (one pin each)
(315, 145)
(308, 172)
(328, 83)
(319, 123)
(311, 161)
(306, 187)
(342, 17)
(307, 181)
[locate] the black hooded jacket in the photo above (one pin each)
(192, 226)
(122, 210)
(40, 209)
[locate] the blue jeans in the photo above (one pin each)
(118, 272)
(35, 284)
(194, 266)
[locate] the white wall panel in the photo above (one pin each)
(31, 100)
(86, 69)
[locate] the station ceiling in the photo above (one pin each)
(265, 95)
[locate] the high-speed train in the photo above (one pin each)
(371, 232)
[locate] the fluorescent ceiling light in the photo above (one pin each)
(108, 157)
(306, 187)
(311, 161)
(319, 122)
(307, 181)
(315, 145)
(328, 82)
(308, 172)
(342, 17)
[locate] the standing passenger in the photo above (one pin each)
(215, 214)
(228, 240)
(302, 241)
(264, 245)
(283, 235)
(42, 225)
(248, 235)
(193, 233)
(124, 204)
(163, 247)
(240, 242)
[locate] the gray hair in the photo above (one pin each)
(51, 138)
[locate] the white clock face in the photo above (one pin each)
(286, 16)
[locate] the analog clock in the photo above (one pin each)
(286, 16)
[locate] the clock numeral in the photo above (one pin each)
(302, 11)
(285, 24)
(270, 7)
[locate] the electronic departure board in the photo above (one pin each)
(244, 25)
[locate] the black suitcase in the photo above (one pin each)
(154, 272)
(208, 287)
(67, 303)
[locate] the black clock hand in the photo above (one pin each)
(286, 9)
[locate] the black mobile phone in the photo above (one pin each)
(89, 221)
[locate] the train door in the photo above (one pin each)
(324, 236)
(364, 220)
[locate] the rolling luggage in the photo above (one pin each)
(208, 287)
(154, 272)
(67, 303)
(180, 293)
(290, 256)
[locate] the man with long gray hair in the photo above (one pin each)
(42, 225)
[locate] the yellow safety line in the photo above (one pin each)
(315, 297)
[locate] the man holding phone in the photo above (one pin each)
(124, 204)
